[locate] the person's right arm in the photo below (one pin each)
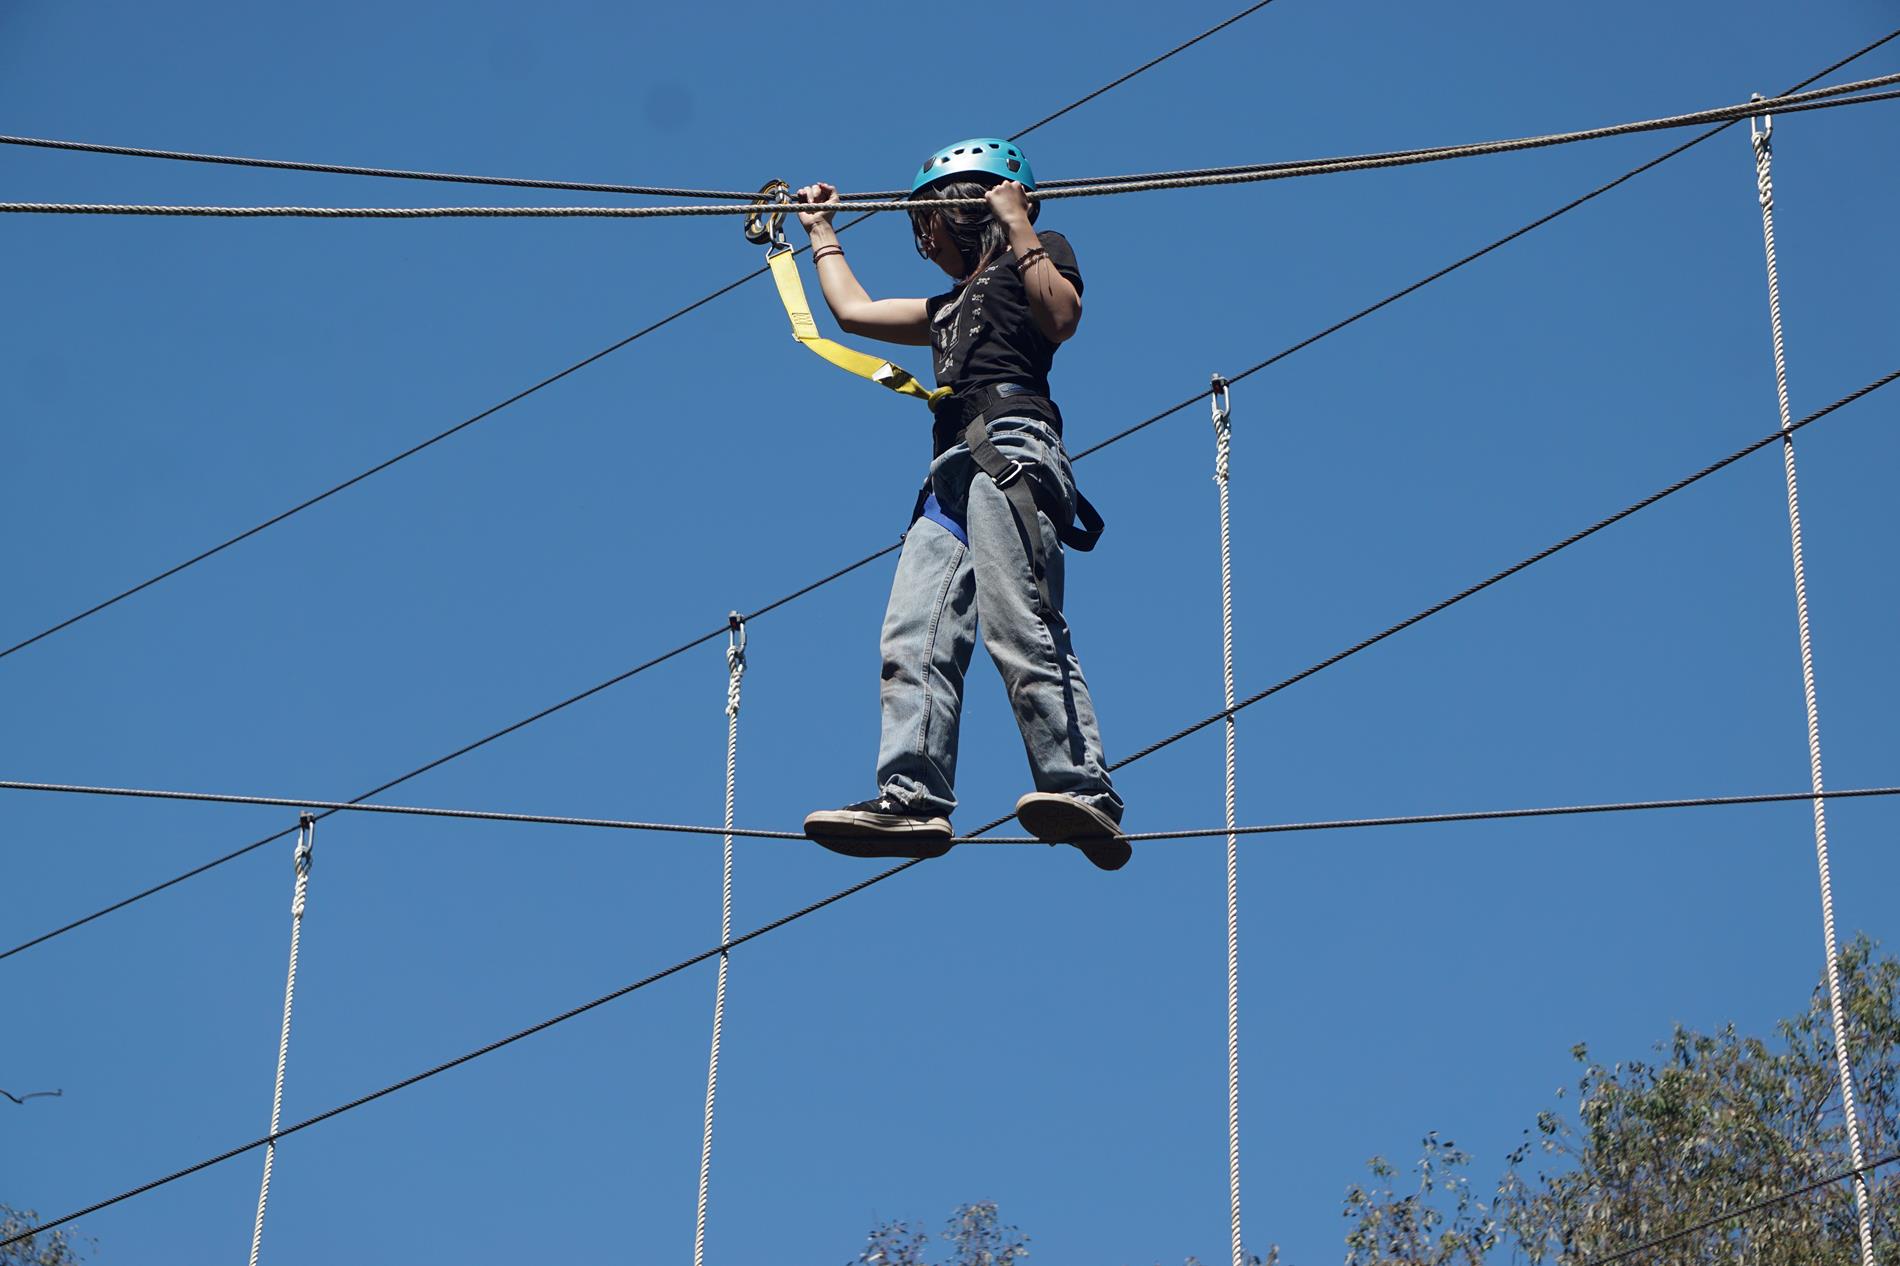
(889, 320)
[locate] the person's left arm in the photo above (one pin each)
(1053, 300)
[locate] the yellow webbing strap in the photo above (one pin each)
(791, 292)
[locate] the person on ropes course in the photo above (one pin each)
(989, 526)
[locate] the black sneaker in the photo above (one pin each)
(880, 828)
(1058, 819)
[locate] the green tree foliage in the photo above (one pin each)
(51, 1249)
(976, 1234)
(1714, 1122)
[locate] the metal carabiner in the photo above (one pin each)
(735, 636)
(1220, 398)
(767, 228)
(1767, 120)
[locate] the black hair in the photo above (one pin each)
(975, 232)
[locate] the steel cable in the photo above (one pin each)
(1194, 833)
(1818, 99)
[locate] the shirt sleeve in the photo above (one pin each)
(1062, 255)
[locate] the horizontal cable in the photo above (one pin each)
(1818, 99)
(622, 824)
(464, 750)
(1121, 435)
(1741, 1211)
(459, 1060)
(340, 169)
(342, 806)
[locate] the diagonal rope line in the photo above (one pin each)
(1819, 99)
(1148, 65)
(458, 1061)
(379, 467)
(554, 378)
(1474, 256)
(1549, 550)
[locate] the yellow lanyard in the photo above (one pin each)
(791, 292)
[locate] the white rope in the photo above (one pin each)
(1760, 139)
(1223, 432)
(735, 673)
(306, 838)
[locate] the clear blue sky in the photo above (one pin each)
(1005, 1024)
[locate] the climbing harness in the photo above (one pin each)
(962, 417)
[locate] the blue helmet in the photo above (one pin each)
(988, 159)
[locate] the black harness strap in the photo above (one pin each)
(973, 412)
(1008, 478)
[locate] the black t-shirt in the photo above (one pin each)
(983, 333)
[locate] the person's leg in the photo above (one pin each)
(928, 636)
(1034, 651)
(929, 633)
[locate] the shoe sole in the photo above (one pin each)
(1061, 820)
(868, 836)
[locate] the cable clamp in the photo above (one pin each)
(306, 840)
(735, 637)
(1767, 123)
(1220, 396)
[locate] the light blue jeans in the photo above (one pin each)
(931, 625)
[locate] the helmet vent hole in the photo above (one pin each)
(1014, 165)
